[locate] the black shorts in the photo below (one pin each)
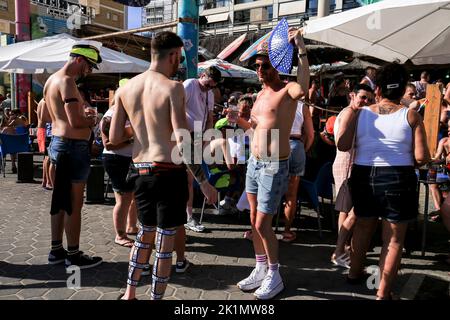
(384, 192)
(117, 167)
(161, 197)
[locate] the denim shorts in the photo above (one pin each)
(297, 158)
(117, 167)
(79, 156)
(269, 181)
(384, 192)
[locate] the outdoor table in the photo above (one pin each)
(440, 179)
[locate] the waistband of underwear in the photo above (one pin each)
(264, 159)
(295, 138)
(64, 139)
(145, 168)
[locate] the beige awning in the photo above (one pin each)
(218, 17)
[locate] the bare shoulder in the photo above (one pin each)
(294, 90)
(414, 118)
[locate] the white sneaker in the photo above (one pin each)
(193, 225)
(270, 287)
(254, 280)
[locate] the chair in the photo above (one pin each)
(12, 144)
(321, 187)
(214, 178)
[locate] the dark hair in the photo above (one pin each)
(424, 74)
(370, 68)
(362, 86)
(247, 99)
(392, 79)
(165, 41)
(410, 85)
(213, 73)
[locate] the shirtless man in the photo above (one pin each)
(155, 107)
(48, 170)
(71, 132)
(442, 155)
(267, 171)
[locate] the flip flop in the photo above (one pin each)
(342, 261)
(120, 298)
(289, 236)
(248, 235)
(127, 243)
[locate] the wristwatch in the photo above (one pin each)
(301, 55)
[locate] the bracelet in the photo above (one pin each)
(301, 55)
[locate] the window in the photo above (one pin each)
(108, 15)
(350, 4)
(242, 16)
(212, 4)
(313, 5)
(243, 1)
(4, 5)
(115, 17)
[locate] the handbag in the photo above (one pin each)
(344, 201)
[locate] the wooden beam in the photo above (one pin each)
(432, 115)
(137, 30)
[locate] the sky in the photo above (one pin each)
(134, 17)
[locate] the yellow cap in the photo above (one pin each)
(91, 53)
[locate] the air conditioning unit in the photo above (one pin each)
(258, 14)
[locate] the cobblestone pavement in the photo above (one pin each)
(220, 257)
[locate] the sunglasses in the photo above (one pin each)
(364, 97)
(263, 66)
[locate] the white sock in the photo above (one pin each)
(261, 261)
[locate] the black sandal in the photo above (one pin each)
(120, 298)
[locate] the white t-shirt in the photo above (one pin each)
(198, 103)
(298, 120)
(126, 151)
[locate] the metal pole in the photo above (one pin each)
(23, 33)
(323, 8)
(188, 14)
(131, 31)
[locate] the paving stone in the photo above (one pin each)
(28, 293)
(86, 295)
(59, 294)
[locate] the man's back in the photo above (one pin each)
(53, 97)
(146, 99)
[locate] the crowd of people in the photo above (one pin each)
(150, 133)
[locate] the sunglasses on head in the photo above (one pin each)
(263, 66)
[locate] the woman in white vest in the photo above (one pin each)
(390, 141)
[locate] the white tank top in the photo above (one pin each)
(298, 120)
(384, 140)
(371, 83)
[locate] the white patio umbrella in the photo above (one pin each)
(391, 30)
(49, 54)
(227, 69)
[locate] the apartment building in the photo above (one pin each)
(159, 11)
(235, 16)
(50, 17)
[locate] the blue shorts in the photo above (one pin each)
(79, 156)
(297, 158)
(269, 181)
